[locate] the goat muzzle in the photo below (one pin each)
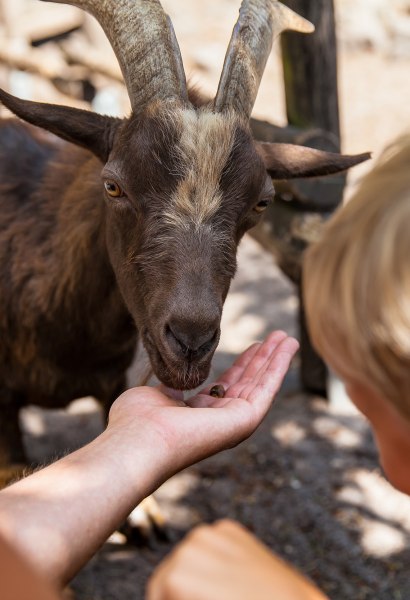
(185, 344)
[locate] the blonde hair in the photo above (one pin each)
(357, 282)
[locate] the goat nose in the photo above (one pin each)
(185, 339)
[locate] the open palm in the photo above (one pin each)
(202, 425)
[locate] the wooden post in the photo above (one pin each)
(310, 73)
(310, 68)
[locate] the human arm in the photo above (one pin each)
(225, 561)
(19, 580)
(59, 516)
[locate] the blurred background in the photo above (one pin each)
(308, 482)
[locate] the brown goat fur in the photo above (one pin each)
(54, 273)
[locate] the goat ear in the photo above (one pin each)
(288, 161)
(81, 127)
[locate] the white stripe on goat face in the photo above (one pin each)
(201, 155)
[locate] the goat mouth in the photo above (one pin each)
(179, 376)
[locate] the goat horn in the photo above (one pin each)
(144, 41)
(259, 22)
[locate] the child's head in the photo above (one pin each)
(357, 293)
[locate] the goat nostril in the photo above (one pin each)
(208, 344)
(173, 337)
(185, 341)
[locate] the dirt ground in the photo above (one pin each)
(308, 481)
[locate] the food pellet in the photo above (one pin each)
(218, 391)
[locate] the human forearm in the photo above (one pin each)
(59, 516)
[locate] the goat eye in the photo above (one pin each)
(261, 206)
(113, 189)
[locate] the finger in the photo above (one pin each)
(244, 361)
(231, 375)
(263, 354)
(242, 372)
(228, 378)
(263, 391)
(265, 384)
(240, 364)
(245, 370)
(258, 364)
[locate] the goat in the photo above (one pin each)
(128, 228)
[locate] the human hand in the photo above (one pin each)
(180, 433)
(225, 561)
(150, 436)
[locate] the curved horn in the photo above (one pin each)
(144, 41)
(259, 22)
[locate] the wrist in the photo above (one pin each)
(140, 463)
